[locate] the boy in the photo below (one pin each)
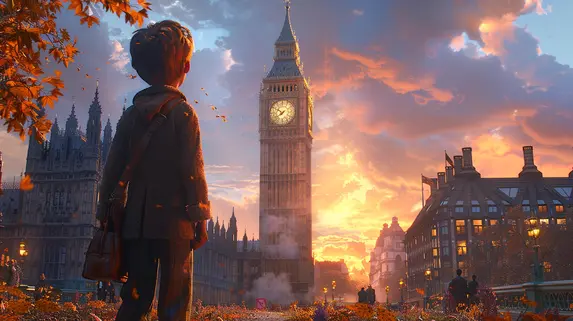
(167, 202)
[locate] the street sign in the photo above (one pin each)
(261, 304)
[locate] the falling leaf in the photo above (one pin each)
(26, 183)
(186, 114)
(206, 94)
(158, 206)
(88, 76)
(223, 118)
(79, 68)
(98, 69)
(108, 62)
(121, 183)
(134, 294)
(47, 60)
(213, 107)
(196, 102)
(131, 76)
(202, 88)
(191, 177)
(83, 88)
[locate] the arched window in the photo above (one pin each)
(290, 87)
(283, 88)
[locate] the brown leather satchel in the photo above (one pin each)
(104, 258)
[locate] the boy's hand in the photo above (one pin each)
(201, 236)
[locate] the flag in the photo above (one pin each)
(449, 160)
(427, 180)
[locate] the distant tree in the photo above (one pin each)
(28, 32)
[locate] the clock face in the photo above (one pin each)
(282, 112)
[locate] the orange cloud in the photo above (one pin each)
(392, 73)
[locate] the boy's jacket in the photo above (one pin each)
(168, 192)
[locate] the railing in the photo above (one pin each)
(552, 295)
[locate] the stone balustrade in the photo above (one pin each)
(546, 295)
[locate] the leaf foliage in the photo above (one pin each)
(28, 31)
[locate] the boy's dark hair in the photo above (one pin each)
(459, 272)
(474, 276)
(159, 52)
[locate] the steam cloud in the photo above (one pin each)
(275, 289)
(287, 247)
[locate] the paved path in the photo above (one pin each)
(268, 316)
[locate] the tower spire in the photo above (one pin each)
(287, 34)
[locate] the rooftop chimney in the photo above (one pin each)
(529, 169)
(434, 186)
(468, 163)
(457, 165)
(441, 180)
(449, 174)
(570, 174)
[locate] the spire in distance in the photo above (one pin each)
(287, 34)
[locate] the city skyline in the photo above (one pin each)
(367, 81)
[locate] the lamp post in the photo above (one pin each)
(23, 254)
(533, 232)
(333, 288)
(387, 291)
(325, 290)
(401, 283)
(428, 275)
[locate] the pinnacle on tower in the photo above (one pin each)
(93, 129)
(72, 122)
(287, 34)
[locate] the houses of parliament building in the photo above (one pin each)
(55, 219)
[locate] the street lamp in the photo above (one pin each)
(23, 254)
(428, 275)
(387, 291)
(533, 232)
(401, 291)
(333, 288)
(325, 290)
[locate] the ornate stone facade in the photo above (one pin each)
(285, 128)
(387, 258)
(55, 218)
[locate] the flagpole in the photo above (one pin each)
(421, 180)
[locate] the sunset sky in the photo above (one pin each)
(395, 83)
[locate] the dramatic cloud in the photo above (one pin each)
(396, 83)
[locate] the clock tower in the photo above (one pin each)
(285, 128)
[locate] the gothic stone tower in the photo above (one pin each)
(58, 214)
(285, 128)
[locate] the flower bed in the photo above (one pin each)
(19, 307)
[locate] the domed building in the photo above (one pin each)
(455, 228)
(387, 261)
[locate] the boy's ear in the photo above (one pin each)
(187, 66)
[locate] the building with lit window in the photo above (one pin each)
(448, 233)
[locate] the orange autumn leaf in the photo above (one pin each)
(26, 183)
(158, 206)
(134, 294)
(131, 76)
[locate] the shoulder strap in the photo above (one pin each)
(140, 148)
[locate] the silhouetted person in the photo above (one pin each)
(167, 205)
(110, 292)
(101, 291)
(362, 296)
(371, 295)
(41, 288)
(459, 288)
(473, 286)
